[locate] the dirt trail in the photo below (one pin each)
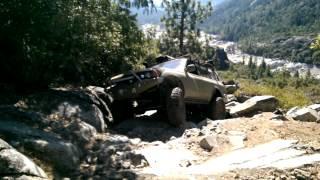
(241, 146)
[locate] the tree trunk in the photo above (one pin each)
(181, 34)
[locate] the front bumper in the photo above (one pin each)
(142, 94)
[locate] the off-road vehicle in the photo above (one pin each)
(168, 87)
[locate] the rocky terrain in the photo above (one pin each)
(69, 133)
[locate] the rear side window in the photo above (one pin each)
(208, 72)
(204, 71)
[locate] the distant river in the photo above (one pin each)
(235, 55)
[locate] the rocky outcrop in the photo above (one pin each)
(308, 114)
(254, 105)
(85, 105)
(315, 107)
(57, 126)
(13, 164)
(44, 145)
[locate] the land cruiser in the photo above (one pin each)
(169, 87)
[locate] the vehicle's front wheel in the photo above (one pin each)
(175, 107)
(217, 109)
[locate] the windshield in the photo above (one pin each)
(178, 64)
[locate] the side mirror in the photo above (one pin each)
(191, 68)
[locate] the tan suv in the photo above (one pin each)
(169, 87)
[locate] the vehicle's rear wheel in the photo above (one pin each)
(122, 110)
(175, 107)
(217, 109)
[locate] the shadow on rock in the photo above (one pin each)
(148, 128)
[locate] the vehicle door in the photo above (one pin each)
(195, 86)
(206, 84)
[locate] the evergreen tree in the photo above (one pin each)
(181, 23)
(250, 63)
(262, 69)
(316, 45)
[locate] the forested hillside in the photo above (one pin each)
(274, 23)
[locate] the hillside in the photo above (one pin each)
(143, 17)
(292, 23)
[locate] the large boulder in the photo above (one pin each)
(315, 107)
(83, 132)
(13, 164)
(89, 105)
(44, 145)
(304, 114)
(254, 105)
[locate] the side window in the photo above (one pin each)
(204, 71)
(196, 72)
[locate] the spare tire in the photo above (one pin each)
(217, 109)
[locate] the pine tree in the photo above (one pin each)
(250, 63)
(316, 45)
(182, 20)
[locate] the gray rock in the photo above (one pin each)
(315, 107)
(70, 104)
(135, 159)
(63, 155)
(242, 98)
(4, 145)
(292, 111)
(44, 145)
(305, 114)
(230, 98)
(213, 141)
(231, 104)
(209, 142)
(254, 105)
(278, 117)
(14, 163)
(230, 89)
(83, 131)
(88, 113)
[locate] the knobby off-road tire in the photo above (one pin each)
(175, 107)
(217, 109)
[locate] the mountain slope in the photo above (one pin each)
(238, 18)
(144, 17)
(266, 21)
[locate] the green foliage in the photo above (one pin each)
(43, 42)
(290, 90)
(316, 45)
(181, 22)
